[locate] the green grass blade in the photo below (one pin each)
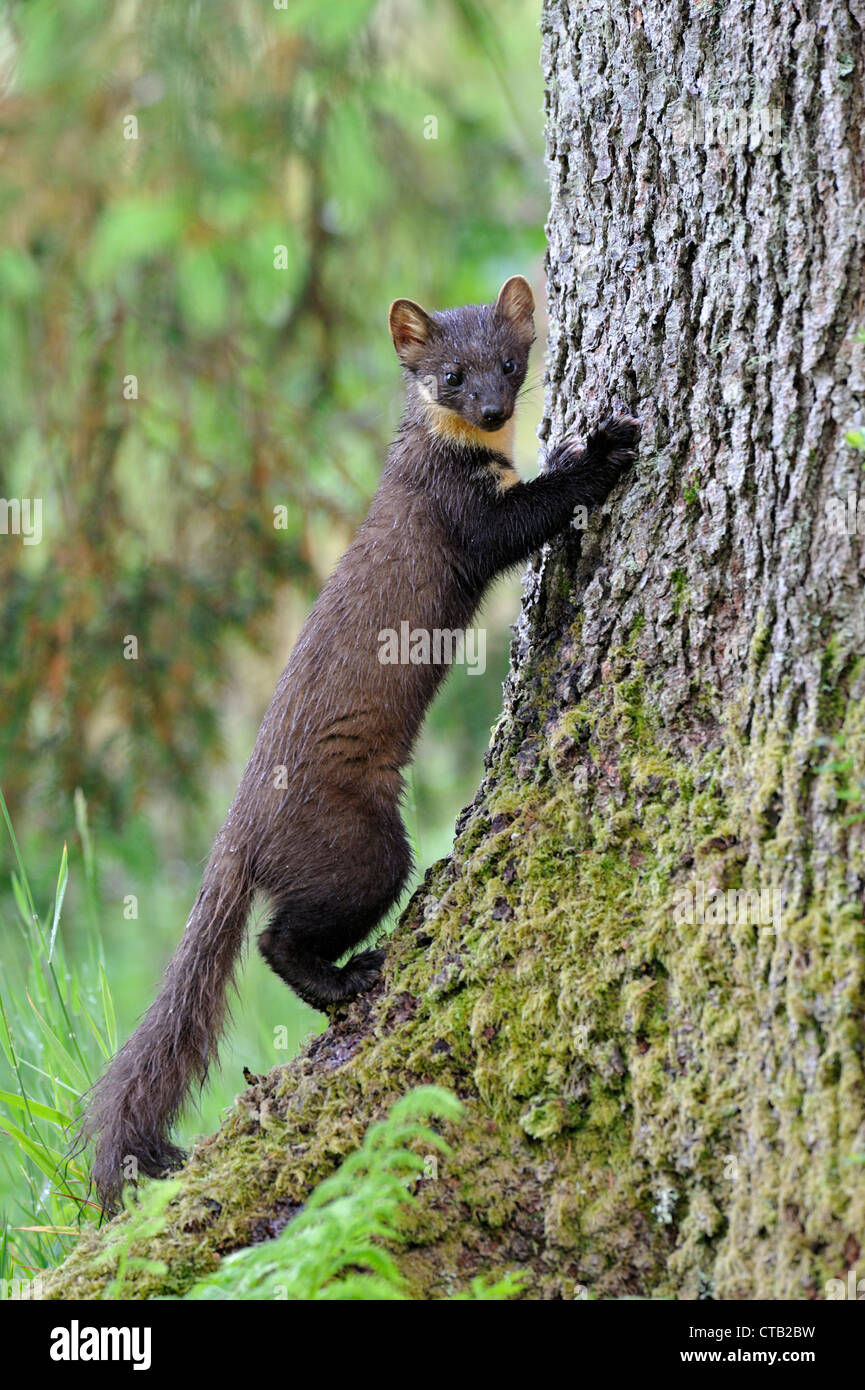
(62, 880)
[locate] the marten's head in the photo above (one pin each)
(467, 365)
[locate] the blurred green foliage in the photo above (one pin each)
(218, 200)
(206, 209)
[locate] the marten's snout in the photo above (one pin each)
(493, 416)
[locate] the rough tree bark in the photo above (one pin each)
(656, 1105)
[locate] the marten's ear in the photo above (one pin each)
(516, 303)
(411, 329)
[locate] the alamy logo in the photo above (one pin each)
(695, 905)
(852, 1288)
(440, 647)
(21, 516)
(846, 516)
(730, 127)
(77, 1343)
(21, 1289)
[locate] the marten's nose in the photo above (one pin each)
(492, 415)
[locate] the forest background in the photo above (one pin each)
(206, 211)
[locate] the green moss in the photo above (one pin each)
(761, 643)
(679, 581)
(653, 1105)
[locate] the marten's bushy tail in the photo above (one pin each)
(130, 1111)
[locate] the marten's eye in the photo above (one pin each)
(453, 379)
(509, 366)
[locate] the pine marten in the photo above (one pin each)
(315, 826)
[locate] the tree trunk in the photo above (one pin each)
(642, 965)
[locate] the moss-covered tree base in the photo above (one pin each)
(637, 1120)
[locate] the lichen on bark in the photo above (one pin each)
(655, 1106)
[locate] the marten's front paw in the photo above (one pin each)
(613, 442)
(616, 440)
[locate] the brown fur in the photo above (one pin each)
(315, 825)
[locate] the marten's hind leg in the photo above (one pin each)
(315, 980)
(307, 934)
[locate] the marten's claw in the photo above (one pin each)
(617, 438)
